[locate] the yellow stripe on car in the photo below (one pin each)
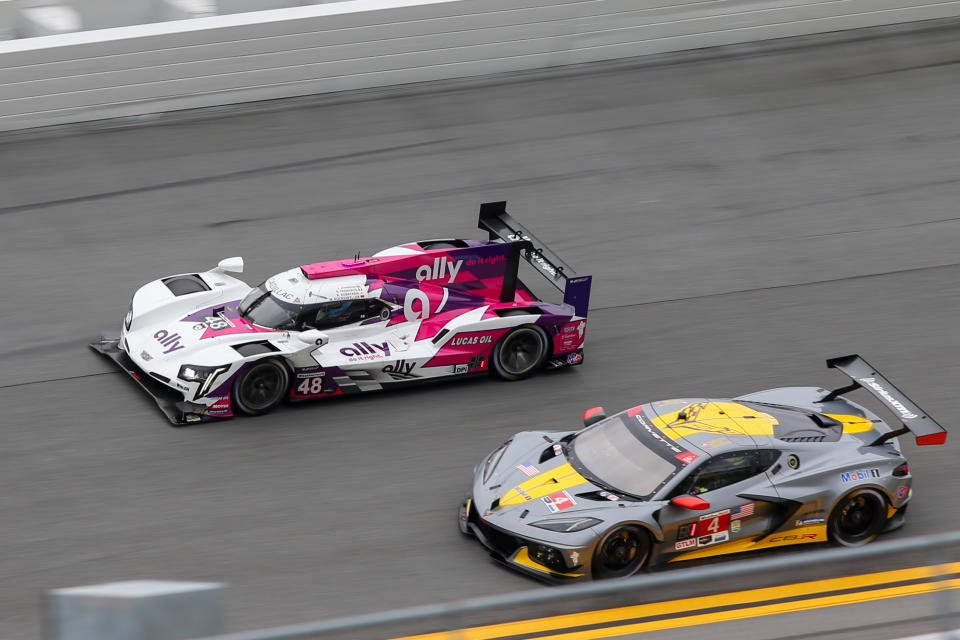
(563, 477)
(851, 423)
(523, 557)
(721, 418)
(803, 535)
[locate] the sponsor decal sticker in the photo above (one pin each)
(656, 434)
(220, 408)
(859, 474)
(441, 268)
(893, 402)
(169, 340)
(903, 491)
(574, 358)
(810, 521)
(558, 501)
(461, 368)
(366, 350)
(735, 526)
(686, 457)
(716, 443)
(460, 341)
(705, 541)
(574, 557)
(609, 496)
(794, 537)
(557, 449)
(685, 544)
(400, 367)
(528, 469)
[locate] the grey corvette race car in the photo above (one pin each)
(693, 478)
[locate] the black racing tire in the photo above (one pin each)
(260, 387)
(857, 518)
(520, 353)
(621, 552)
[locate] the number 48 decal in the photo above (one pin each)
(310, 386)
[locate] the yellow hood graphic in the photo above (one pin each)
(851, 423)
(563, 477)
(722, 418)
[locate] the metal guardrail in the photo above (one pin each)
(785, 568)
(355, 44)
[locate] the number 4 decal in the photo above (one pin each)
(713, 528)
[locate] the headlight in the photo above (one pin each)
(494, 459)
(548, 556)
(128, 319)
(567, 525)
(206, 375)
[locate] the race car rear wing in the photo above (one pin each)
(915, 420)
(501, 226)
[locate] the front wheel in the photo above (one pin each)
(621, 552)
(261, 387)
(519, 353)
(858, 518)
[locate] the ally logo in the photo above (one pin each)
(366, 349)
(441, 268)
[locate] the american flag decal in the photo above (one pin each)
(743, 511)
(528, 469)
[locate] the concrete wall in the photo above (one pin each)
(356, 44)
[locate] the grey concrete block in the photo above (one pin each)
(136, 610)
(47, 21)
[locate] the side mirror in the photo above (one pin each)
(233, 265)
(691, 502)
(593, 416)
(315, 337)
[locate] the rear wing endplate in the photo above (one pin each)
(501, 226)
(864, 376)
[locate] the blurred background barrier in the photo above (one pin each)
(924, 565)
(74, 75)
(135, 610)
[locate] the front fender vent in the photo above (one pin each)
(185, 285)
(248, 349)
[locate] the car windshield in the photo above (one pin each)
(626, 454)
(261, 308)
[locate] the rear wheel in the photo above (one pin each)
(261, 387)
(858, 518)
(621, 552)
(519, 353)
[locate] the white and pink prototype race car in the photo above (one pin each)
(207, 345)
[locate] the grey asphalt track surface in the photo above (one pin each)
(745, 214)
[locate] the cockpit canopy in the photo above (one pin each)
(264, 308)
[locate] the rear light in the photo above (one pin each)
(902, 470)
